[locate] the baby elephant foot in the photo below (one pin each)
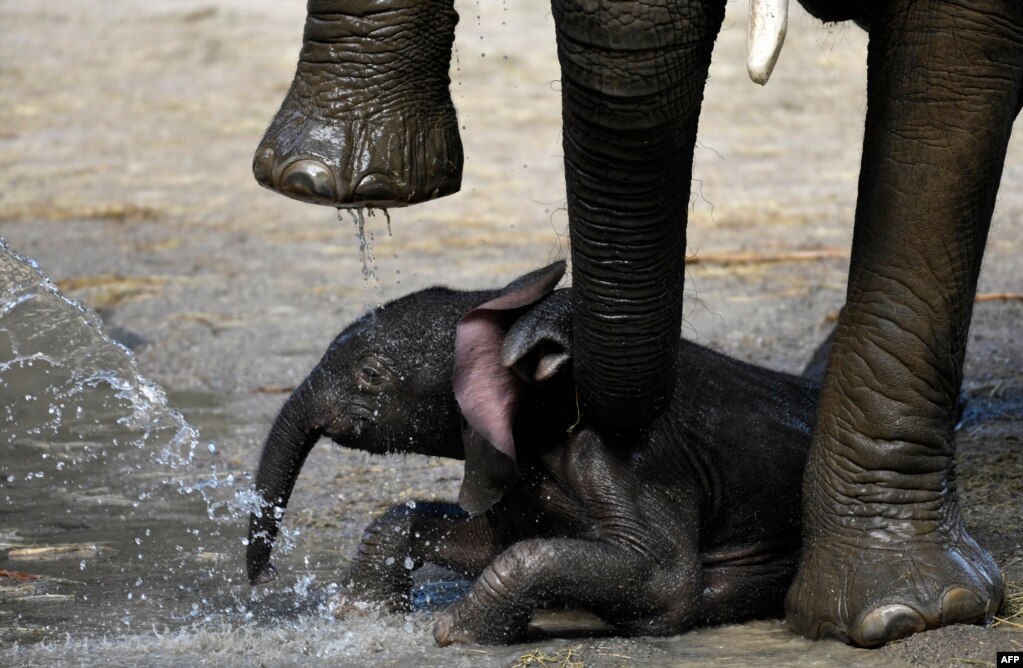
(466, 623)
(368, 120)
(357, 600)
(460, 624)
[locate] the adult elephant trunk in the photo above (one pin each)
(633, 75)
(293, 435)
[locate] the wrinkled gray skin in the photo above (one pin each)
(694, 522)
(368, 119)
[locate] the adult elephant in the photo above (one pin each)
(368, 121)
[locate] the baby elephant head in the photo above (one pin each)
(421, 374)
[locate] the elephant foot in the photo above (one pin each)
(869, 596)
(368, 120)
(466, 622)
(358, 600)
(868, 586)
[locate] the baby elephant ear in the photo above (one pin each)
(488, 392)
(539, 344)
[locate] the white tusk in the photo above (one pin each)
(767, 24)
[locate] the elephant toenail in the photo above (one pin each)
(828, 629)
(888, 623)
(308, 180)
(962, 606)
(442, 632)
(376, 189)
(263, 167)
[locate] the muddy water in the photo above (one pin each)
(122, 533)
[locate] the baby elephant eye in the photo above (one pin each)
(371, 375)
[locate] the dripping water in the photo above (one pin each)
(370, 274)
(358, 218)
(458, 65)
(394, 253)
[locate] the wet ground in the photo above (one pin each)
(124, 170)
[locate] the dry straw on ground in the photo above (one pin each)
(562, 658)
(1012, 612)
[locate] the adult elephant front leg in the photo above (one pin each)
(885, 552)
(368, 119)
(633, 74)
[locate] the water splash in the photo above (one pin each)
(91, 443)
(93, 451)
(59, 343)
(57, 346)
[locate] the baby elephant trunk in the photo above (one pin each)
(291, 438)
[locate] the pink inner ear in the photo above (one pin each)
(486, 391)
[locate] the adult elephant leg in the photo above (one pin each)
(368, 119)
(633, 74)
(885, 552)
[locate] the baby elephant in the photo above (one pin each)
(695, 521)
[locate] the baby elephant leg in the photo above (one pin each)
(402, 539)
(736, 593)
(613, 581)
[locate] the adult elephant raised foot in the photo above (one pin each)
(368, 120)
